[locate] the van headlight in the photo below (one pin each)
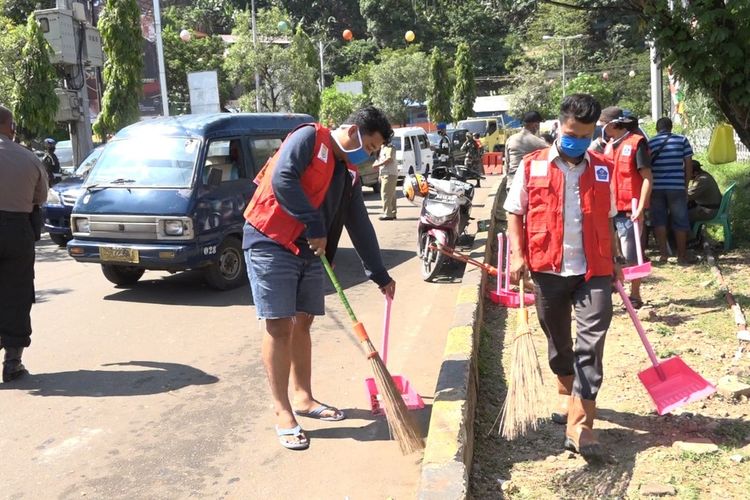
(180, 228)
(174, 228)
(82, 225)
(53, 198)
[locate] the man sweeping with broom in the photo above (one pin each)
(306, 194)
(559, 208)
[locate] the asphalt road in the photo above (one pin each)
(158, 391)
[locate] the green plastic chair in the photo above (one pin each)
(722, 217)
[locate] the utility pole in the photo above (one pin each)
(160, 59)
(562, 40)
(322, 76)
(255, 46)
(76, 46)
(657, 97)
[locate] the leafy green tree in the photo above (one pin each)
(704, 41)
(399, 80)
(465, 91)
(327, 18)
(35, 102)
(347, 58)
(120, 28)
(389, 20)
(439, 93)
(532, 92)
(197, 54)
(305, 99)
(11, 42)
(213, 17)
(286, 79)
(601, 89)
(336, 106)
(17, 11)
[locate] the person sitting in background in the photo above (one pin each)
(704, 195)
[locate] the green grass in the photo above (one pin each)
(726, 174)
(734, 434)
(663, 330)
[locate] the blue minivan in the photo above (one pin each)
(169, 194)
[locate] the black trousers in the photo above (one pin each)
(16, 279)
(556, 298)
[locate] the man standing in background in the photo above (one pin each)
(522, 143)
(671, 166)
(388, 179)
(23, 184)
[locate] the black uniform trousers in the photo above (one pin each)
(556, 296)
(16, 278)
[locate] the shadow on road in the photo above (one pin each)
(47, 294)
(375, 430)
(47, 251)
(187, 288)
(158, 378)
(349, 270)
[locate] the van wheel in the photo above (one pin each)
(122, 275)
(228, 270)
(59, 239)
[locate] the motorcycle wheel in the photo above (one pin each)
(431, 260)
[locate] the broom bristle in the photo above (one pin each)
(400, 422)
(525, 404)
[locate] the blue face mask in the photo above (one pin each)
(357, 155)
(574, 147)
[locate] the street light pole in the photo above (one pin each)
(322, 75)
(160, 60)
(562, 40)
(255, 47)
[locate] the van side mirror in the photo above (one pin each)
(214, 177)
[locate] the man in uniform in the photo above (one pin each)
(522, 143)
(51, 163)
(560, 209)
(23, 184)
(388, 180)
(443, 149)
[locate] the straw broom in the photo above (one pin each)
(400, 421)
(525, 403)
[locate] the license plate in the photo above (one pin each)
(116, 254)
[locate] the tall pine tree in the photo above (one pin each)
(120, 27)
(438, 94)
(35, 102)
(465, 91)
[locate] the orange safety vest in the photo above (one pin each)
(545, 184)
(265, 213)
(628, 180)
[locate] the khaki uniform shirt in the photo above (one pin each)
(518, 146)
(387, 161)
(23, 178)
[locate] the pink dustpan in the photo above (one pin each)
(643, 269)
(411, 397)
(670, 383)
(504, 295)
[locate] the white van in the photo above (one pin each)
(413, 153)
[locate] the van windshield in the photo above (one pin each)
(474, 126)
(142, 162)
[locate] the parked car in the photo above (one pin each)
(456, 137)
(413, 153)
(63, 196)
(64, 153)
(169, 194)
(370, 175)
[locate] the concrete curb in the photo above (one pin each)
(450, 440)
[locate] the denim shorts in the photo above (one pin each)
(671, 203)
(626, 235)
(284, 284)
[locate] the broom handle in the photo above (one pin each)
(507, 263)
(639, 328)
(636, 229)
(521, 296)
(499, 260)
(386, 329)
(339, 290)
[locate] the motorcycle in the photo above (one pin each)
(458, 172)
(443, 219)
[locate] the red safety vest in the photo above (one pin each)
(545, 184)
(264, 211)
(628, 181)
